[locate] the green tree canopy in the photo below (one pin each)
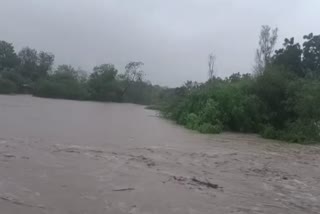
(311, 54)
(8, 57)
(102, 83)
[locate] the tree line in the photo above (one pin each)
(30, 71)
(280, 99)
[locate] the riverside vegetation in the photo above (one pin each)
(31, 71)
(279, 100)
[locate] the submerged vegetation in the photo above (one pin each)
(280, 100)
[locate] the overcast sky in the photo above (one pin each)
(172, 37)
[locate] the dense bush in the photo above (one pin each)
(7, 86)
(103, 85)
(65, 82)
(281, 101)
(218, 105)
(66, 89)
(277, 104)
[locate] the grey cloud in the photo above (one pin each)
(172, 38)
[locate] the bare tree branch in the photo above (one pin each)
(267, 40)
(211, 62)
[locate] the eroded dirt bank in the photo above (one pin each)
(66, 157)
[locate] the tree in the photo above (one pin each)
(82, 75)
(64, 72)
(45, 63)
(34, 66)
(65, 83)
(211, 61)
(235, 77)
(8, 57)
(106, 70)
(29, 63)
(133, 73)
(311, 54)
(267, 41)
(290, 57)
(190, 85)
(102, 83)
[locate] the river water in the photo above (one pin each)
(61, 156)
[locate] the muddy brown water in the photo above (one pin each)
(70, 157)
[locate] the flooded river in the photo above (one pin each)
(71, 157)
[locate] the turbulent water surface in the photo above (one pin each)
(70, 157)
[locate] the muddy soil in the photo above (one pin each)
(68, 157)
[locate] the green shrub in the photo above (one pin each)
(66, 89)
(7, 86)
(192, 121)
(182, 119)
(302, 131)
(209, 128)
(269, 132)
(14, 77)
(210, 112)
